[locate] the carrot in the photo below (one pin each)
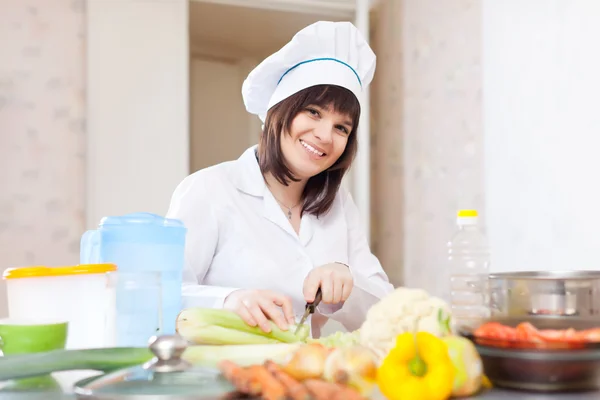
(238, 376)
(262, 382)
(321, 390)
(347, 393)
(294, 389)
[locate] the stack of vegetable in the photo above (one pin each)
(405, 348)
(411, 334)
(222, 335)
(404, 310)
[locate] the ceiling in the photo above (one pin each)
(258, 32)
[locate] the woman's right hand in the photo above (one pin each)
(257, 307)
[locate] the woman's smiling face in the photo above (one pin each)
(317, 138)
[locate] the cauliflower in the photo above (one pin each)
(398, 313)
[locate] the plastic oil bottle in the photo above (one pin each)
(469, 264)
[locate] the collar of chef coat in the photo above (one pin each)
(249, 180)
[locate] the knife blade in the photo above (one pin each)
(310, 309)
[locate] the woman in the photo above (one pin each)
(267, 230)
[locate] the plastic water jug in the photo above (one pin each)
(141, 243)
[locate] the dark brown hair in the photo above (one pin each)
(321, 189)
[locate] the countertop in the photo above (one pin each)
(499, 394)
(67, 379)
(502, 394)
(494, 394)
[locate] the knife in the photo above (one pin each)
(310, 309)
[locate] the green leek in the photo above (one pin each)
(224, 327)
(19, 366)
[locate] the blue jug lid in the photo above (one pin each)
(141, 218)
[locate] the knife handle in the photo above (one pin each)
(312, 306)
(318, 297)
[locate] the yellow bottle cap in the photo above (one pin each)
(467, 213)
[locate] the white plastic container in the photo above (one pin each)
(80, 295)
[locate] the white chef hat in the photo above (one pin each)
(333, 53)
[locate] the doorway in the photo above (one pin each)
(226, 43)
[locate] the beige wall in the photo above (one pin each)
(221, 129)
(427, 133)
(42, 132)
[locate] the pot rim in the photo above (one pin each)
(546, 275)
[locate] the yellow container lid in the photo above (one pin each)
(43, 271)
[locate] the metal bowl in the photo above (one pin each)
(559, 293)
(549, 369)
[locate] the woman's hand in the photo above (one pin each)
(257, 307)
(335, 280)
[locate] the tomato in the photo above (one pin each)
(495, 330)
(525, 335)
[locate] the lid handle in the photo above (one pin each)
(168, 350)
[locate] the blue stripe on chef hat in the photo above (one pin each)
(321, 59)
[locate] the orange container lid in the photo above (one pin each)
(43, 271)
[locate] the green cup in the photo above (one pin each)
(19, 336)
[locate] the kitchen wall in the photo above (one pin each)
(541, 115)
(427, 133)
(42, 132)
(490, 105)
(93, 119)
(474, 105)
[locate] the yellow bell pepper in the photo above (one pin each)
(417, 368)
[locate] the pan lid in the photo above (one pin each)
(167, 376)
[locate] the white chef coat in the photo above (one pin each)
(239, 238)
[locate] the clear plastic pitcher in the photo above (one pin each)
(136, 301)
(142, 242)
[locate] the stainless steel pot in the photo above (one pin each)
(553, 293)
